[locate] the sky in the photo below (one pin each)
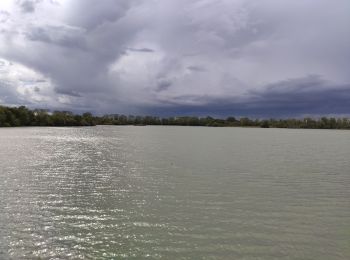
(257, 58)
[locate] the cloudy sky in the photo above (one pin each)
(262, 58)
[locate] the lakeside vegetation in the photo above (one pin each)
(22, 116)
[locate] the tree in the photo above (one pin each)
(264, 124)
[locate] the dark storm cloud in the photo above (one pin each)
(202, 56)
(297, 96)
(293, 97)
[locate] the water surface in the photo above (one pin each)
(112, 192)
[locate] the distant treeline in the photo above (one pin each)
(22, 116)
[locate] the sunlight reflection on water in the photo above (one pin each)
(174, 192)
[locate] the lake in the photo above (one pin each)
(113, 192)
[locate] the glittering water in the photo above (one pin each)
(174, 192)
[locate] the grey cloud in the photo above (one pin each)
(163, 84)
(90, 14)
(41, 80)
(28, 6)
(4, 16)
(59, 35)
(77, 60)
(248, 56)
(8, 95)
(196, 68)
(67, 92)
(140, 49)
